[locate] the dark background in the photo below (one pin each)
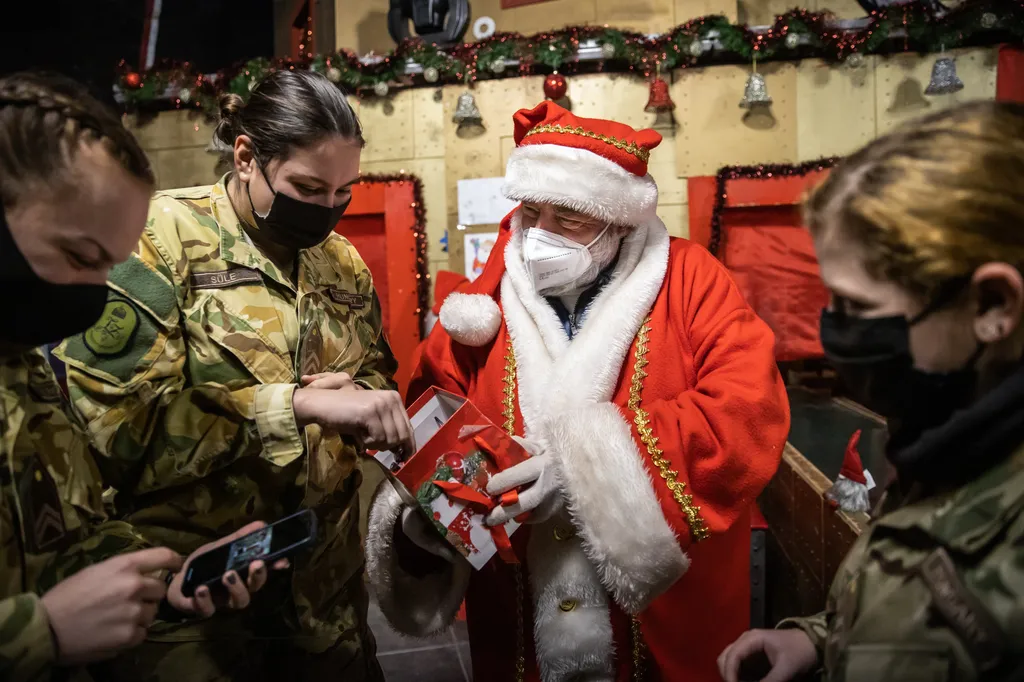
(86, 39)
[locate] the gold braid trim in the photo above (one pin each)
(508, 411)
(639, 653)
(628, 147)
(642, 420)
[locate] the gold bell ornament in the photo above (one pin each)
(756, 91)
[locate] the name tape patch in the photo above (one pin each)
(225, 278)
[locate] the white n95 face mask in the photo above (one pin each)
(554, 261)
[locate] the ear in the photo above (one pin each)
(245, 162)
(1000, 296)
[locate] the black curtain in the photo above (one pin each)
(86, 39)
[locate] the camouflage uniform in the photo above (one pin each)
(932, 590)
(50, 495)
(186, 386)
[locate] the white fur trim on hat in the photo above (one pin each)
(582, 181)
(470, 319)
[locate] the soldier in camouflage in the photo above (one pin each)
(920, 238)
(237, 373)
(74, 587)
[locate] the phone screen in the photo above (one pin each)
(275, 540)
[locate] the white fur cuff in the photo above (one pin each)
(470, 319)
(418, 607)
(614, 505)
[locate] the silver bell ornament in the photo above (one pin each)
(466, 111)
(696, 47)
(792, 40)
(607, 50)
(756, 92)
(334, 74)
(944, 79)
(431, 74)
(381, 89)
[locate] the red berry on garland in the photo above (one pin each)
(133, 79)
(555, 86)
(456, 463)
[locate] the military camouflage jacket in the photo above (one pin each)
(186, 387)
(933, 590)
(50, 495)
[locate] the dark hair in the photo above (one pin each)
(286, 110)
(43, 119)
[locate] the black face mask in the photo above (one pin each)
(872, 356)
(296, 224)
(38, 312)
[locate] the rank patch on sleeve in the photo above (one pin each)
(115, 329)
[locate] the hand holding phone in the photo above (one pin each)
(235, 566)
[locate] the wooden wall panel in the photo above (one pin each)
(170, 129)
(388, 127)
(714, 131)
(547, 16)
(835, 108)
(903, 78)
(184, 167)
(428, 123)
(688, 9)
(676, 219)
(644, 16)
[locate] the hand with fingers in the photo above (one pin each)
(330, 381)
(541, 500)
(377, 419)
(239, 593)
(107, 607)
(789, 653)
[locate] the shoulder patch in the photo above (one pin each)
(115, 329)
(964, 612)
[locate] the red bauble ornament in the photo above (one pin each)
(133, 79)
(456, 463)
(555, 86)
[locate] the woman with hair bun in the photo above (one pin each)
(249, 373)
(920, 238)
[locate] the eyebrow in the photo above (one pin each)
(317, 181)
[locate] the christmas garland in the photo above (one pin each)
(798, 34)
(419, 228)
(758, 172)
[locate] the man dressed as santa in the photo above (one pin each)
(646, 392)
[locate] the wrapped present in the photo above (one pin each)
(459, 451)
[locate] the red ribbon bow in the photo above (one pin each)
(482, 504)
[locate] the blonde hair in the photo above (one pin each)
(933, 200)
(43, 120)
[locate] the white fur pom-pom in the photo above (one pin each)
(470, 319)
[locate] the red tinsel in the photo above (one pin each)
(768, 170)
(420, 229)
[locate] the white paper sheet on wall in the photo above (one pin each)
(481, 201)
(477, 248)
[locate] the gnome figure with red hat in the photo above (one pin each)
(850, 491)
(645, 389)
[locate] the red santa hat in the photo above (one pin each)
(593, 166)
(446, 283)
(852, 469)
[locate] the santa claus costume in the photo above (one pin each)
(665, 415)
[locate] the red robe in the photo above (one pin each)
(708, 404)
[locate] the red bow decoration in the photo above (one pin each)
(482, 504)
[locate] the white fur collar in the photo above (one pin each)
(551, 380)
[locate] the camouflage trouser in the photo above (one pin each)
(255, 660)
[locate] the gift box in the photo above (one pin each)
(459, 450)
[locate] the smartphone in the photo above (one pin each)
(276, 541)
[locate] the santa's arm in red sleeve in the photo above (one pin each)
(723, 438)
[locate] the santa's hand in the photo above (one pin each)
(418, 530)
(541, 500)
